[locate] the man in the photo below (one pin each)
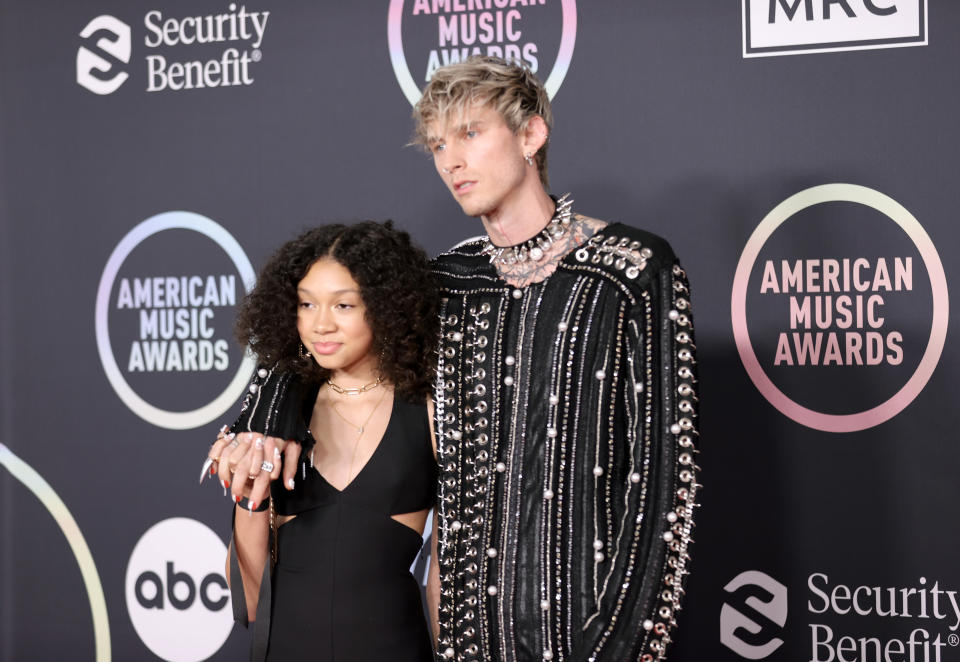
(566, 405)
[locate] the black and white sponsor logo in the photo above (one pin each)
(784, 27)
(97, 67)
(926, 621)
(179, 52)
(845, 621)
(176, 592)
(753, 615)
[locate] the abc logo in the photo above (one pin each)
(176, 592)
(753, 615)
(150, 583)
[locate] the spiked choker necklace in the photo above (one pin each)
(536, 247)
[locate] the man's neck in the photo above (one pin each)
(519, 216)
(521, 274)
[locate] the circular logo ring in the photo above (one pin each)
(41, 489)
(410, 88)
(938, 330)
(173, 420)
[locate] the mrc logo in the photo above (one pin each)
(785, 27)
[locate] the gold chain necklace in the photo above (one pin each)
(336, 388)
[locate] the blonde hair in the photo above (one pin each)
(511, 90)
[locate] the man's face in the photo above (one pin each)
(479, 159)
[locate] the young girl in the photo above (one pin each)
(349, 315)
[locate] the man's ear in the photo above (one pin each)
(534, 135)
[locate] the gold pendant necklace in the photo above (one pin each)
(362, 427)
(359, 429)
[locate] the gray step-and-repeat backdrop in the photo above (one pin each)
(800, 155)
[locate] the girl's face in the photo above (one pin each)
(331, 320)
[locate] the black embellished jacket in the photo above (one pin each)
(566, 420)
(567, 426)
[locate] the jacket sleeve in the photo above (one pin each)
(273, 406)
(635, 617)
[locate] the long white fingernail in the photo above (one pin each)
(231, 436)
(224, 429)
(290, 483)
(206, 468)
(276, 452)
(258, 444)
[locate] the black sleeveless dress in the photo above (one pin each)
(342, 589)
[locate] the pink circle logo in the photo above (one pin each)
(426, 34)
(835, 312)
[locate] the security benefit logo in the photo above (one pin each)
(164, 320)
(191, 52)
(784, 27)
(753, 615)
(176, 593)
(840, 307)
(840, 621)
(426, 34)
(99, 69)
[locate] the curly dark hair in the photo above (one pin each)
(397, 288)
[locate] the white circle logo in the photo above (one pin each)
(849, 330)
(433, 33)
(176, 593)
(173, 344)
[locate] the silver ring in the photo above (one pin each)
(234, 443)
(266, 466)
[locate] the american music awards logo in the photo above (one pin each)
(426, 34)
(840, 307)
(164, 320)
